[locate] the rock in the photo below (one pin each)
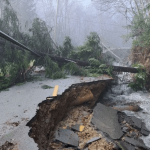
(93, 140)
(78, 127)
(125, 129)
(133, 134)
(106, 120)
(137, 123)
(67, 136)
(135, 142)
(7, 146)
(144, 127)
(125, 146)
(144, 130)
(131, 120)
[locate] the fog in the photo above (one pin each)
(74, 18)
(78, 18)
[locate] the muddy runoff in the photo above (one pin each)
(75, 120)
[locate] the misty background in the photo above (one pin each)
(74, 18)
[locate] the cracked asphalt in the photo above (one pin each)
(19, 104)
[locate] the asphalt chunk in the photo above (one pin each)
(137, 123)
(93, 140)
(126, 146)
(67, 136)
(106, 120)
(144, 130)
(78, 127)
(136, 143)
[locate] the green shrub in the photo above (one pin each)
(73, 69)
(139, 79)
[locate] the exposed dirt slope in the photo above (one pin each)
(51, 112)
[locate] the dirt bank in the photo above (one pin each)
(51, 112)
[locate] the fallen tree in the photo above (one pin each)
(18, 50)
(66, 60)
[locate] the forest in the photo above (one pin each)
(57, 28)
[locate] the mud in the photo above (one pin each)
(101, 144)
(134, 108)
(9, 146)
(83, 115)
(52, 126)
(52, 112)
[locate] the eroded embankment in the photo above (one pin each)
(141, 56)
(51, 112)
(70, 121)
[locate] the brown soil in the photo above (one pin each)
(8, 146)
(81, 115)
(142, 56)
(134, 108)
(101, 144)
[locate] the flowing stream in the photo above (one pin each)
(120, 94)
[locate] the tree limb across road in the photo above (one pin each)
(65, 60)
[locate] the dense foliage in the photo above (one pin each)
(90, 49)
(140, 33)
(140, 28)
(139, 82)
(15, 62)
(41, 40)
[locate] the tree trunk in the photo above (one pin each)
(66, 60)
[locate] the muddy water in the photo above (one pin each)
(121, 95)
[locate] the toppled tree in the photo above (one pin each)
(15, 61)
(41, 40)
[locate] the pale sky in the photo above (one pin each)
(86, 2)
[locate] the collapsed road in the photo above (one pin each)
(76, 120)
(83, 122)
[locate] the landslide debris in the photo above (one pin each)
(52, 112)
(8, 146)
(72, 121)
